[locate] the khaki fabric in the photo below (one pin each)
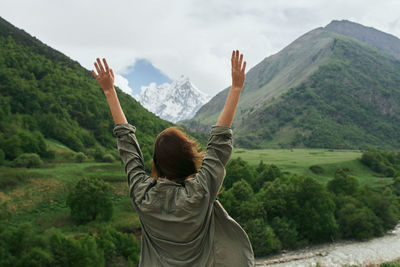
(185, 225)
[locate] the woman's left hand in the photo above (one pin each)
(105, 76)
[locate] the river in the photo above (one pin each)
(337, 254)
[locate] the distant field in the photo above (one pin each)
(299, 161)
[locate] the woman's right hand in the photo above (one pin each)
(105, 76)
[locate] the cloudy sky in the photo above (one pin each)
(190, 37)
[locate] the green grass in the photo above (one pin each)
(38, 195)
(299, 161)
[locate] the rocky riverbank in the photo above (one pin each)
(337, 254)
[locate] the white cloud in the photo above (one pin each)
(190, 37)
(122, 83)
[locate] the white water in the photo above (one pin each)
(337, 254)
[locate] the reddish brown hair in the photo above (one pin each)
(175, 156)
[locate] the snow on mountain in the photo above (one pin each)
(174, 101)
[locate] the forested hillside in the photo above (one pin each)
(353, 101)
(45, 94)
(324, 90)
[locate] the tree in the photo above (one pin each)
(91, 198)
(241, 203)
(236, 170)
(270, 173)
(262, 237)
(342, 184)
(28, 160)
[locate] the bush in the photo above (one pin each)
(2, 157)
(383, 162)
(90, 199)
(317, 169)
(342, 184)
(358, 223)
(23, 245)
(115, 243)
(28, 160)
(75, 252)
(262, 237)
(395, 263)
(236, 170)
(80, 157)
(286, 231)
(108, 158)
(268, 174)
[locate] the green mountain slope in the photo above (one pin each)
(330, 91)
(271, 77)
(352, 101)
(45, 94)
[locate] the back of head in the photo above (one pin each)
(175, 155)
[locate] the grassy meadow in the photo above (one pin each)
(38, 195)
(299, 161)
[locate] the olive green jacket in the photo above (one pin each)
(185, 225)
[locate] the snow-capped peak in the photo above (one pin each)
(174, 101)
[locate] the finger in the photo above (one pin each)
(100, 65)
(106, 65)
(240, 61)
(244, 67)
(94, 74)
(237, 56)
(233, 57)
(97, 68)
(112, 73)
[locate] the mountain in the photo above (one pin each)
(174, 101)
(323, 90)
(45, 94)
(382, 41)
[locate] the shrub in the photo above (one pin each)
(358, 223)
(268, 174)
(342, 184)
(108, 158)
(28, 160)
(36, 257)
(2, 157)
(317, 169)
(395, 263)
(80, 157)
(286, 231)
(90, 199)
(115, 243)
(75, 252)
(236, 170)
(262, 237)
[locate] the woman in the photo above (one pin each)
(183, 224)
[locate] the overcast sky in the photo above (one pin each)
(190, 37)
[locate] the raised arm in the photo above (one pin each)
(128, 145)
(238, 76)
(105, 78)
(219, 147)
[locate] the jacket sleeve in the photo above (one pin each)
(139, 183)
(218, 152)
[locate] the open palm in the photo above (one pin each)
(238, 70)
(104, 76)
